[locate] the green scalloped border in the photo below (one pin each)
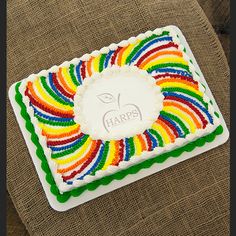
(107, 179)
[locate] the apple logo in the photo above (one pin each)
(120, 114)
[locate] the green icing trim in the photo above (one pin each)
(107, 179)
(217, 114)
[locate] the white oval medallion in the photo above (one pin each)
(119, 102)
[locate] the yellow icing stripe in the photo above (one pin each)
(48, 98)
(75, 156)
(127, 52)
(165, 60)
(180, 85)
(68, 79)
(162, 132)
(182, 115)
(111, 154)
(138, 147)
(95, 63)
(63, 130)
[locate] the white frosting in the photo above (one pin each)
(117, 103)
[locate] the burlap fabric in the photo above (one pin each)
(191, 198)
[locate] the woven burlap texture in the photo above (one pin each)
(191, 198)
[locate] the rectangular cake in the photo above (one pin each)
(115, 111)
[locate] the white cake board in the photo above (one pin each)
(115, 184)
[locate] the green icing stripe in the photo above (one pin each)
(101, 63)
(141, 44)
(188, 92)
(163, 65)
(105, 180)
(52, 94)
(72, 149)
(55, 123)
(158, 136)
(104, 157)
(177, 120)
(72, 75)
(131, 147)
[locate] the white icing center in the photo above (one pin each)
(116, 103)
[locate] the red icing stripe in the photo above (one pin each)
(121, 151)
(147, 54)
(85, 164)
(83, 75)
(113, 58)
(175, 76)
(65, 141)
(170, 126)
(60, 88)
(203, 120)
(39, 105)
(149, 142)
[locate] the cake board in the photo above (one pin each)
(89, 195)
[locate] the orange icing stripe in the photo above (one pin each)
(116, 158)
(56, 136)
(89, 63)
(154, 56)
(191, 114)
(167, 129)
(80, 161)
(120, 55)
(34, 95)
(63, 83)
(141, 140)
(173, 80)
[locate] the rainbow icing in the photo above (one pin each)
(73, 156)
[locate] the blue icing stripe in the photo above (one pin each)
(156, 40)
(96, 162)
(67, 146)
(54, 118)
(174, 124)
(153, 140)
(153, 137)
(56, 91)
(127, 154)
(171, 70)
(108, 56)
(191, 101)
(78, 72)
